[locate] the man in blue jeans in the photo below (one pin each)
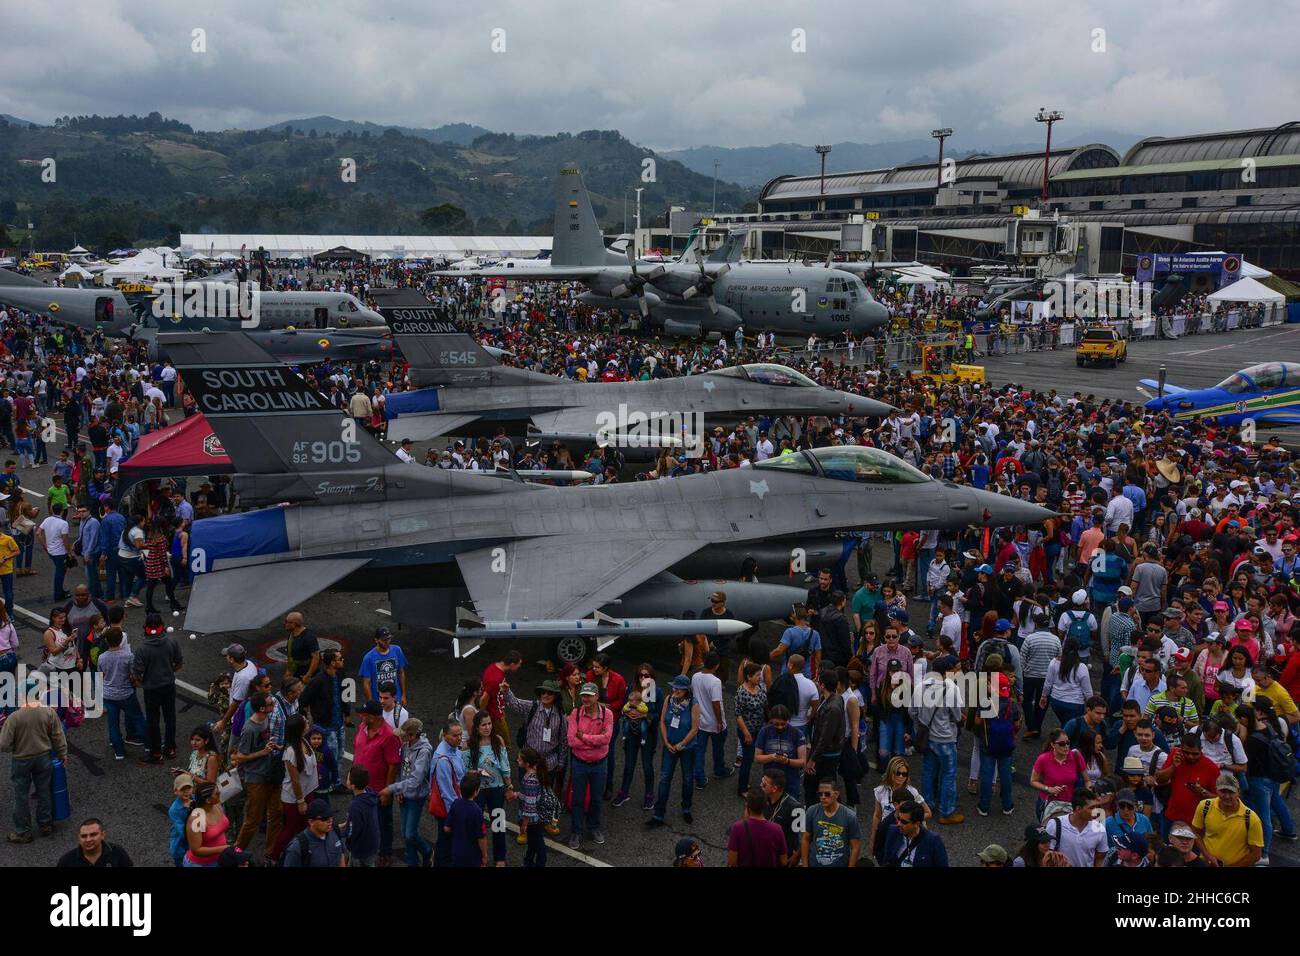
(111, 526)
(114, 665)
(937, 705)
(34, 736)
(54, 536)
(591, 728)
(706, 691)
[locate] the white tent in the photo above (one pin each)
(147, 264)
(77, 250)
(1246, 290)
(75, 272)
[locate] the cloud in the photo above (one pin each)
(664, 72)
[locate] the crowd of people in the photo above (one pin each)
(1144, 636)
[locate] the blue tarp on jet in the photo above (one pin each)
(241, 535)
(411, 403)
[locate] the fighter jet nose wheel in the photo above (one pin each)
(571, 650)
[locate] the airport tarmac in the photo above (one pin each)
(132, 799)
(1196, 361)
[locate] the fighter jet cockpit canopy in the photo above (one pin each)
(849, 463)
(765, 373)
(1262, 377)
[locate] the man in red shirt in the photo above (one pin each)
(1190, 777)
(493, 697)
(378, 749)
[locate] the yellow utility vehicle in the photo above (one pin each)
(1100, 345)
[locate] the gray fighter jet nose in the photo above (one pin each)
(859, 405)
(989, 509)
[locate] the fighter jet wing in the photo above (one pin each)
(565, 575)
(583, 421)
(426, 425)
(1152, 384)
(246, 598)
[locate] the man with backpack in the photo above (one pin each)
(1078, 622)
(799, 638)
(1079, 836)
(1270, 763)
(1000, 644)
(318, 845)
(1227, 832)
(996, 739)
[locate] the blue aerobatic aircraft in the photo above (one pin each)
(1264, 393)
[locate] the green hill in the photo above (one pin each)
(130, 180)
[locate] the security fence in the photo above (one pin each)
(902, 350)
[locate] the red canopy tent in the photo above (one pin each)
(187, 448)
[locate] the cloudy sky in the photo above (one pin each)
(666, 73)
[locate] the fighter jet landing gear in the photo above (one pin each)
(572, 650)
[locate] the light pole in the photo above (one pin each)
(822, 151)
(714, 213)
(1048, 117)
(637, 238)
(940, 135)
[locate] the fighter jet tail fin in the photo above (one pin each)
(577, 239)
(439, 353)
(268, 419)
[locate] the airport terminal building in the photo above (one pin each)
(1236, 190)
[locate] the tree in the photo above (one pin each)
(446, 219)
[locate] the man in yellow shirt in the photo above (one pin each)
(1227, 832)
(1266, 686)
(8, 551)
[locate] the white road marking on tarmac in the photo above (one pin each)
(1233, 345)
(202, 695)
(30, 492)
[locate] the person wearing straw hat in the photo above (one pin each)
(1168, 472)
